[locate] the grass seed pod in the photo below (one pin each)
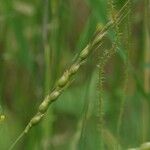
(74, 68)
(44, 106)
(2, 118)
(84, 53)
(27, 128)
(54, 95)
(64, 79)
(36, 119)
(98, 38)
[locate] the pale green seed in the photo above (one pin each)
(2, 118)
(98, 38)
(44, 106)
(54, 95)
(63, 80)
(84, 53)
(27, 128)
(74, 68)
(36, 119)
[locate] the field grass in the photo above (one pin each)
(74, 75)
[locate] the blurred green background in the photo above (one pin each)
(38, 40)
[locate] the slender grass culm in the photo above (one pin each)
(66, 79)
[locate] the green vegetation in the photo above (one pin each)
(74, 75)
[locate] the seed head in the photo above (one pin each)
(36, 119)
(2, 117)
(54, 95)
(44, 106)
(74, 68)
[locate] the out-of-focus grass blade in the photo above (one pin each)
(17, 25)
(99, 9)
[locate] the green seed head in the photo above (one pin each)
(74, 68)
(27, 128)
(63, 80)
(54, 95)
(36, 119)
(44, 106)
(98, 38)
(84, 53)
(2, 118)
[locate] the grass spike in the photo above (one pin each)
(57, 90)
